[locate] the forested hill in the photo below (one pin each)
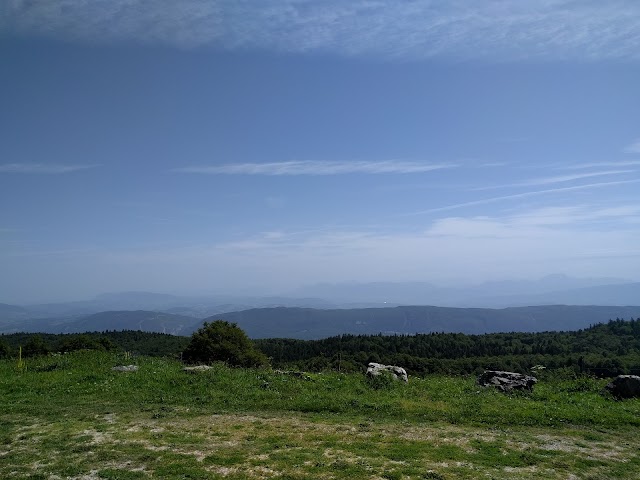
(606, 349)
(309, 323)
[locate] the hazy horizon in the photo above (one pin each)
(548, 283)
(234, 147)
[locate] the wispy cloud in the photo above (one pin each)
(621, 163)
(526, 29)
(570, 178)
(558, 179)
(633, 148)
(41, 168)
(521, 195)
(315, 168)
(577, 214)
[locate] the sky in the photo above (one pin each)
(251, 147)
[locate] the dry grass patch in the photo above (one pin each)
(298, 446)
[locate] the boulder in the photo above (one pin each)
(197, 368)
(625, 386)
(506, 381)
(125, 368)
(398, 373)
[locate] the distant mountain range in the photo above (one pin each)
(549, 290)
(12, 311)
(145, 321)
(310, 323)
(330, 309)
(197, 307)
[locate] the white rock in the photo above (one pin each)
(374, 369)
(125, 368)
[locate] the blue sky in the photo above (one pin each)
(252, 147)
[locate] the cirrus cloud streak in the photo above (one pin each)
(42, 168)
(534, 193)
(315, 168)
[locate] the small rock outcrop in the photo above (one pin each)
(398, 373)
(197, 368)
(625, 386)
(506, 381)
(125, 368)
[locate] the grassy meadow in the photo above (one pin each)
(72, 417)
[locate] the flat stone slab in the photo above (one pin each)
(506, 381)
(197, 368)
(125, 368)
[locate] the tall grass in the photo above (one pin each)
(21, 365)
(84, 381)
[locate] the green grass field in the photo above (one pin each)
(70, 416)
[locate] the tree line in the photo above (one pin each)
(605, 349)
(134, 341)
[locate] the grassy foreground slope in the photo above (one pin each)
(71, 416)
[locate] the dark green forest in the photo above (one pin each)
(606, 349)
(133, 341)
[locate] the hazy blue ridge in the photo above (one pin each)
(142, 320)
(308, 323)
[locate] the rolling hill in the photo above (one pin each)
(311, 323)
(143, 320)
(308, 323)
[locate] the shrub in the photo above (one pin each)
(85, 342)
(221, 341)
(35, 346)
(4, 349)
